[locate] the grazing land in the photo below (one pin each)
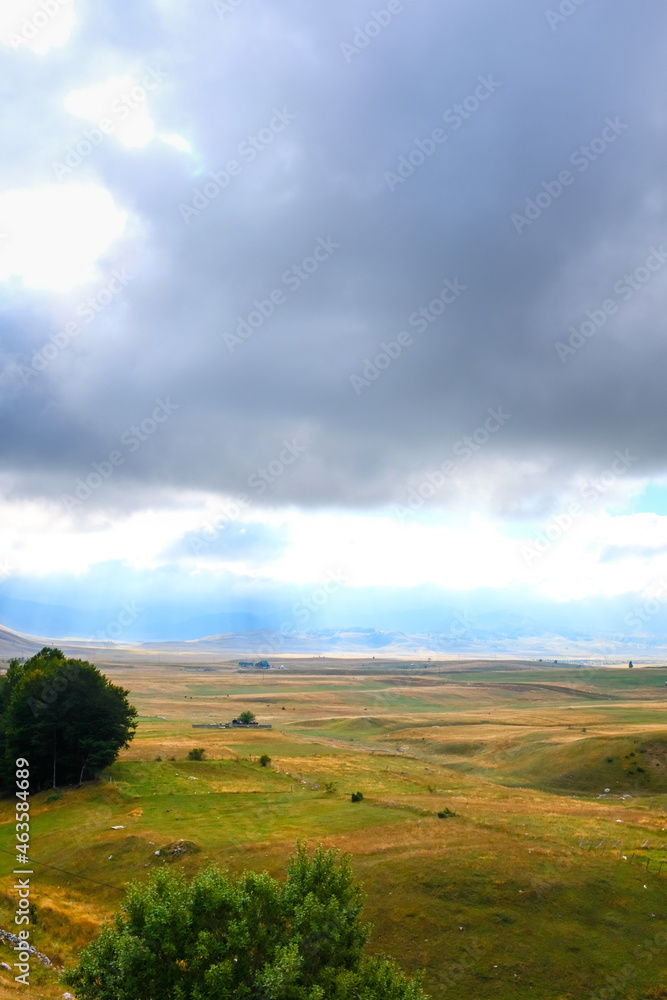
(548, 881)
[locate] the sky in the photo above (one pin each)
(362, 301)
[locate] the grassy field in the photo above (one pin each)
(548, 882)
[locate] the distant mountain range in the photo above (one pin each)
(493, 639)
(160, 629)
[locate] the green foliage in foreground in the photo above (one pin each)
(64, 716)
(248, 938)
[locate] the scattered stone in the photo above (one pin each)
(177, 849)
(13, 940)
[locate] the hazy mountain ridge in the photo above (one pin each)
(270, 644)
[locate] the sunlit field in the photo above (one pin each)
(549, 881)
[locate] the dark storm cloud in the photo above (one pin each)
(335, 229)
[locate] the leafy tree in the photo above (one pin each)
(64, 716)
(249, 938)
(265, 760)
(197, 753)
(246, 717)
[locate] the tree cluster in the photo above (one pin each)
(248, 938)
(64, 716)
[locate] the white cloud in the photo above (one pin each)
(54, 235)
(177, 141)
(372, 550)
(36, 25)
(120, 102)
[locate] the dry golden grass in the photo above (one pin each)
(508, 865)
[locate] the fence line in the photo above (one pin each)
(640, 862)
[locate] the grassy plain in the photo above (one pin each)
(543, 885)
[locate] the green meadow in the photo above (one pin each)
(549, 881)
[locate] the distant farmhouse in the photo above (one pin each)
(234, 724)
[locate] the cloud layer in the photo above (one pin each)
(242, 318)
(402, 262)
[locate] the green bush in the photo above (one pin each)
(244, 938)
(196, 754)
(357, 796)
(265, 760)
(446, 813)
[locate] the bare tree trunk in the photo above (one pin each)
(82, 770)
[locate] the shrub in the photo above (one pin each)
(265, 760)
(246, 717)
(357, 796)
(330, 787)
(446, 813)
(197, 753)
(241, 938)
